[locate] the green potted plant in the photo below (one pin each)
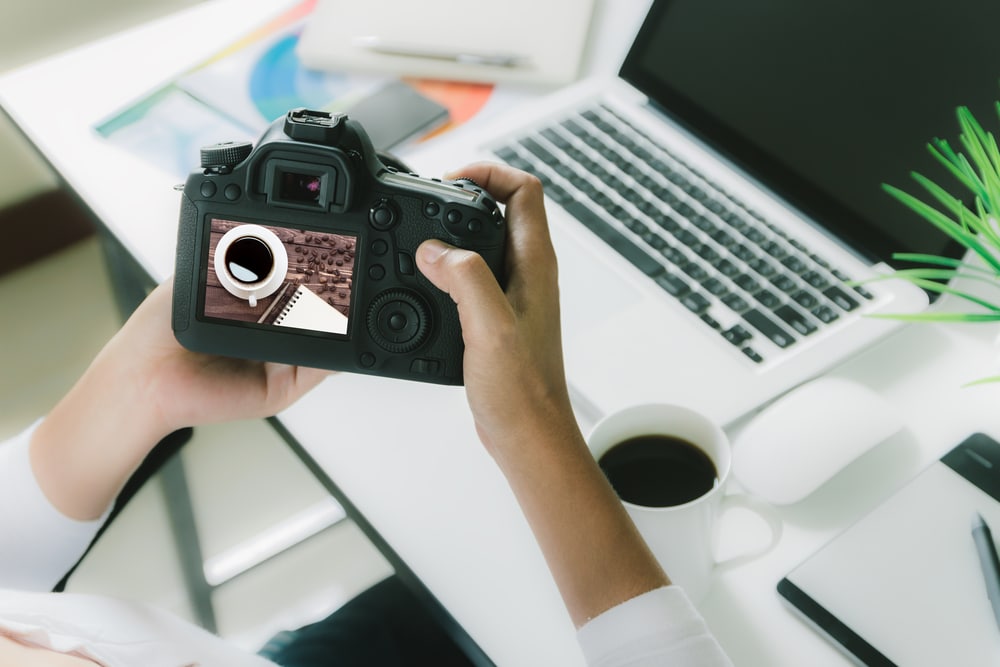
(976, 228)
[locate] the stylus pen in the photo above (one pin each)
(988, 559)
(379, 45)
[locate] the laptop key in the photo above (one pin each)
(696, 271)
(805, 299)
(673, 255)
(763, 267)
(715, 287)
(673, 284)
(555, 137)
(735, 302)
(506, 153)
(768, 299)
(539, 151)
(840, 297)
(557, 194)
(737, 335)
(629, 250)
(816, 279)
(696, 303)
(728, 269)
(863, 292)
(766, 326)
(710, 321)
(795, 320)
(783, 282)
(747, 282)
(824, 314)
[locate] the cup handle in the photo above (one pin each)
(765, 512)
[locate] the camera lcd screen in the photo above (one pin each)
(279, 276)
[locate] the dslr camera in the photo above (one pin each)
(301, 251)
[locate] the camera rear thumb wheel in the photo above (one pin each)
(398, 321)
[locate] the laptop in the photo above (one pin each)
(713, 204)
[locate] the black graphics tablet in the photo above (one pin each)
(904, 586)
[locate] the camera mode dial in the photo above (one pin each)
(398, 321)
(221, 158)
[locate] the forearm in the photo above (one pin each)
(84, 451)
(597, 557)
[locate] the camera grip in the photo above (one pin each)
(184, 273)
(495, 258)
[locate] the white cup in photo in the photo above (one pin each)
(251, 262)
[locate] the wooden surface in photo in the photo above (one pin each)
(322, 262)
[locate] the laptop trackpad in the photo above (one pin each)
(623, 347)
(590, 292)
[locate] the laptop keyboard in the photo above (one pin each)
(744, 277)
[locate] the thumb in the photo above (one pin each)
(464, 275)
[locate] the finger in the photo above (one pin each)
(531, 256)
(500, 180)
(464, 275)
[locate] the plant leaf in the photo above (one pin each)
(945, 224)
(949, 201)
(981, 146)
(943, 152)
(938, 260)
(939, 317)
(932, 286)
(987, 380)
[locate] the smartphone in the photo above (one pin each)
(397, 112)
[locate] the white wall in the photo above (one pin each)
(33, 29)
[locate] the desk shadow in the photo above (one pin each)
(737, 628)
(860, 486)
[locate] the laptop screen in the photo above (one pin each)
(824, 102)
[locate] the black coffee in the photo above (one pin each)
(658, 470)
(249, 259)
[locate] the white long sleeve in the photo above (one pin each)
(657, 628)
(38, 544)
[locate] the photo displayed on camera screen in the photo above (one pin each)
(278, 276)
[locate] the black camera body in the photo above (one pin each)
(301, 251)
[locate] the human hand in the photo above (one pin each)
(142, 386)
(183, 388)
(517, 391)
(513, 362)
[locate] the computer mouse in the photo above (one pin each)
(805, 437)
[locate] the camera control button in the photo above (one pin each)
(404, 262)
(379, 247)
(233, 192)
(208, 189)
(398, 321)
(425, 367)
(475, 226)
(382, 215)
(376, 272)
(454, 217)
(432, 209)
(367, 359)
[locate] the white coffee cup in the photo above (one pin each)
(683, 536)
(241, 282)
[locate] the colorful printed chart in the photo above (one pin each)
(236, 94)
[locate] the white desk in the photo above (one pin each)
(406, 454)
